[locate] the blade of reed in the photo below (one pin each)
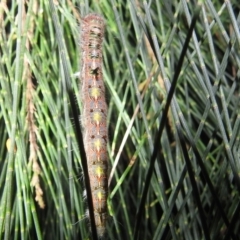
(163, 120)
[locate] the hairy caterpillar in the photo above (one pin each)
(95, 115)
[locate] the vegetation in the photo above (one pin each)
(175, 172)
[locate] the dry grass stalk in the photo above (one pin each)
(32, 128)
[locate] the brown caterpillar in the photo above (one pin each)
(95, 115)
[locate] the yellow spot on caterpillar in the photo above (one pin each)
(97, 117)
(100, 196)
(99, 171)
(98, 144)
(95, 92)
(8, 145)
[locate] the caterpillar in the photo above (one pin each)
(94, 115)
